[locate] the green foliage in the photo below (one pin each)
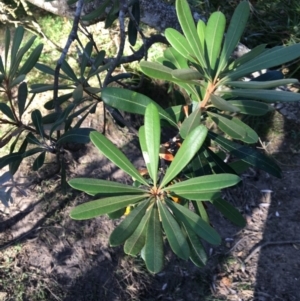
(154, 211)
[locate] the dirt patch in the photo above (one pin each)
(47, 256)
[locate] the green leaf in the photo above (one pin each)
(188, 27)
(190, 123)
(7, 44)
(154, 252)
(86, 56)
(49, 105)
(126, 228)
(229, 212)
(46, 69)
(22, 97)
(36, 117)
(32, 60)
(17, 80)
(204, 183)
(173, 232)
(262, 85)
(198, 255)
(110, 151)
(97, 186)
(222, 104)
(142, 140)
(112, 14)
(187, 74)
(201, 211)
(199, 165)
(32, 139)
(117, 214)
(152, 139)
(38, 88)
(201, 28)
(131, 102)
(136, 241)
(251, 107)
(18, 37)
(247, 154)
(5, 160)
(251, 136)
(175, 58)
(13, 166)
(39, 161)
(98, 70)
(234, 33)
(269, 96)
(256, 51)
(214, 33)
(102, 206)
(198, 196)
(180, 44)
(6, 110)
(2, 70)
(274, 57)
(96, 13)
(195, 222)
(216, 163)
(67, 69)
(80, 135)
(186, 152)
(228, 126)
(24, 49)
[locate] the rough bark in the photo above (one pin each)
(155, 13)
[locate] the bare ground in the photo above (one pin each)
(44, 255)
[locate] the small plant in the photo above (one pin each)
(160, 205)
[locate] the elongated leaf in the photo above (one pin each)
(136, 241)
(17, 40)
(251, 136)
(198, 165)
(110, 151)
(214, 36)
(228, 126)
(268, 59)
(112, 14)
(204, 183)
(39, 161)
(86, 57)
(6, 110)
(36, 117)
(46, 69)
(201, 28)
(67, 69)
(17, 80)
(126, 228)
(173, 232)
(229, 212)
(269, 96)
(152, 139)
(198, 196)
(132, 30)
(32, 139)
(262, 84)
(131, 102)
(188, 27)
(97, 186)
(7, 44)
(234, 33)
(13, 166)
(22, 96)
(187, 74)
(32, 151)
(198, 255)
(180, 44)
(175, 58)
(142, 140)
(197, 224)
(253, 53)
(190, 123)
(49, 105)
(2, 70)
(154, 249)
(76, 136)
(186, 152)
(270, 75)
(247, 154)
(222, 104)
(38, 88)
(176, 112)
(201, 211)
(32, 60)
(5, 160)
(25, 48)
(251, 107)
(102, 206)
(117, 214)
(216, 163)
